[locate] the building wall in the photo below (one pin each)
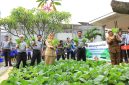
(73, 32)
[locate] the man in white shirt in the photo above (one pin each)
(6, 48)
(21, 49)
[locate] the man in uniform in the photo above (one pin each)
(81, 54)
(6, 48)
(21, 49)
(37, 48)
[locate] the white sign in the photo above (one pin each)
(98, 50)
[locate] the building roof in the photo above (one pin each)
(111, 20)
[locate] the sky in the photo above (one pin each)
(81, 10)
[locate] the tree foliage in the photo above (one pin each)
(32, 22)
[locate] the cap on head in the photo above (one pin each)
(21, 36)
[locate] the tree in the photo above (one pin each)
(24, 19)
(41, 20)
(91, 34)
(48, 3)
(120, 7)
(10, 25)
(34, 22)
(56, 20)
(48, 22)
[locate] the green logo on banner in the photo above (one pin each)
(88, 53)
(105, 54)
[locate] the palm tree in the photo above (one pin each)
(53, 3)
(91, 34)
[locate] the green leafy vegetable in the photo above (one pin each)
(18, 41)
(27, 42)
(70, 72)
(76, 40)
(84, 40)
(33, 38)
(115, 30)
(55, 42)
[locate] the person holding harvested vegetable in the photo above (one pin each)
(114, 48)
(81, 52)
(6, 49)
(50, 52)
(21, 49)
(68, 47)
(60, 51)
(122, 52)
(73, 50)
(37, 49)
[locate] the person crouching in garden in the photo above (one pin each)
(6, 49)
(50, 52)
(37, 48)
(60, 51)
(114, 48)
(21, 49)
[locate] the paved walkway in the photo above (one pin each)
(5, 74)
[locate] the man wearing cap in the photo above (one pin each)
(6, 48)
(21, 48)
(81, 54)
(37, 48)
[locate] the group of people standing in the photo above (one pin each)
(44, 49)
(22, 51)
(73, 50)
(118, 47)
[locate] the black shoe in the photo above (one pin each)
(5, 66)
(10, 65)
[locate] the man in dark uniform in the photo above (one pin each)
(37, 48)
(6, 48)
(81, 54)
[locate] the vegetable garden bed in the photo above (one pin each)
(71, 72)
